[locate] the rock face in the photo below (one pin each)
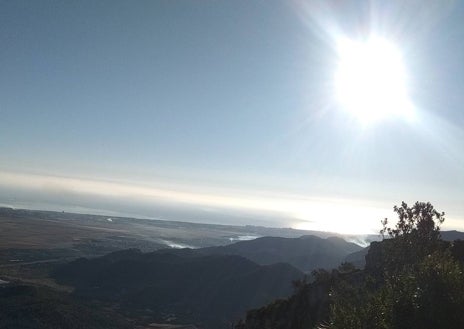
(358, 258)
(374, 258)
(309, 305)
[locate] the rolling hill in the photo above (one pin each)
(306, 253)
(207, 290)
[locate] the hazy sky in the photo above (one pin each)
(224, 111)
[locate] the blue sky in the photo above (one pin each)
(223, 111)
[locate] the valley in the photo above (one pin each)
(152, 273)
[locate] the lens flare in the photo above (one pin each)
(371, 80)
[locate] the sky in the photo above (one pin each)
(225, 112)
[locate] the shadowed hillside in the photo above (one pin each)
(27, 307)
(207, 290)
(412, 280)
(306, 253)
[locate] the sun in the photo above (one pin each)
(371, 79)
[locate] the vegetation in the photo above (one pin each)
(412, 279)
(210, 291)
(32, 307)
(416, 284)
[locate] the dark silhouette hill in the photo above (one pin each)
(27, 307)
(306, 253)
(207, 286)
(207, 290)
(452, 235)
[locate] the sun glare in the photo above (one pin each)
(371, 80)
